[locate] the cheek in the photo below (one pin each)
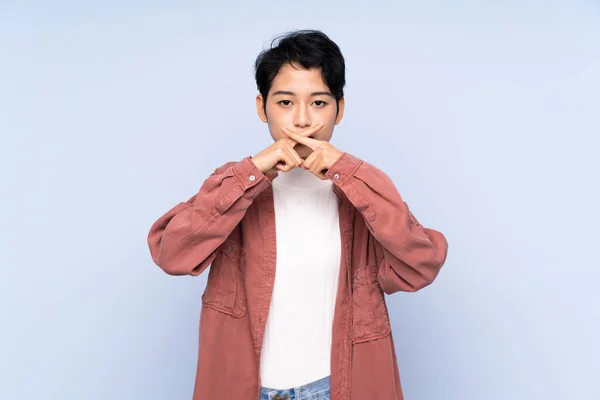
(275, 130)
(326, 132)
(275, 122)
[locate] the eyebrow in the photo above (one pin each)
(285, 92)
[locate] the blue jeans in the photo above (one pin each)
(317, 390)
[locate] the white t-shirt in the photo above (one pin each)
(297, 341)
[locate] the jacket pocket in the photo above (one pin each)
(225, 290)
(370, 319)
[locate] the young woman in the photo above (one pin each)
(303, 240)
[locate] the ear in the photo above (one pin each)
(260, 108)
(340, 114)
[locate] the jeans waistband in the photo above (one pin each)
(310, 390)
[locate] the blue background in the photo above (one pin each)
(486, 115)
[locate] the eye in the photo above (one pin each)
(284, 101)
(322, 102)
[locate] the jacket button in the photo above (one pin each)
(252, 177)
(230, 248)
(336, 176)
(357, 276)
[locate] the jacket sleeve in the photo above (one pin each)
(412, 255)
(184, 241)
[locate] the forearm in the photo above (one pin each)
(184, 240)
(412, 254)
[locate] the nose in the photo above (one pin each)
(301, 118)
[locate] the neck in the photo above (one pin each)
(301, 178)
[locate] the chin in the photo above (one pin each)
(303, 151)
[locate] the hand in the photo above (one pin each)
(281, 154)
(324, 154)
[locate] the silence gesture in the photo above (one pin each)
(281, 155)
(324, 154)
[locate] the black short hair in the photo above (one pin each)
(308, 48)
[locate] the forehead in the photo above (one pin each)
(298, 80)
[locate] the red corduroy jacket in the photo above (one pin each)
(230, 225)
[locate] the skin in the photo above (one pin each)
(301, 116)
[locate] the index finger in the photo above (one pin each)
(311, 129)
(306, 132)
(305, 140)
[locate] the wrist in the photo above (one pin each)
(257, 164)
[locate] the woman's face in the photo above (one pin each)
(298, 99)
